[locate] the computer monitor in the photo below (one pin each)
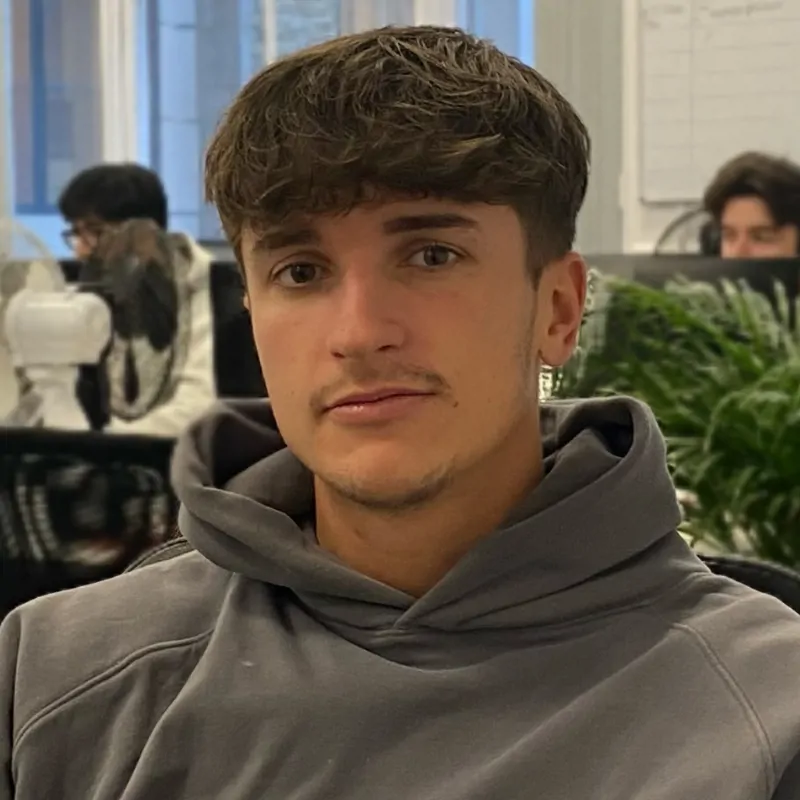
(761, 275)
(656, 270)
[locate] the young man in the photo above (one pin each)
(754, 201)
(410, 581)
(94, 204)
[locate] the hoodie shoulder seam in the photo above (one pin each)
(761, 735)
(109, 673)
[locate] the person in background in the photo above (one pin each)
(94, 203)
(754, 202)
(410, 579)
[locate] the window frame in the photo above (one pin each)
(38, 98)
(117, 87)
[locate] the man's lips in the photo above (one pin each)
(367, 398)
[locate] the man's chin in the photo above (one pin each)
(388, 487)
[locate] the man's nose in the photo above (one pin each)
(366, 318)
(739, 248)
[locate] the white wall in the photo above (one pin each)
(578, 44)
(642, 222)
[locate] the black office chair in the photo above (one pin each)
(69, 497)
(772, 579)
(236, 364)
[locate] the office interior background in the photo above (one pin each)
(668, 91)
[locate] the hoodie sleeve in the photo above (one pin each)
(195, 389)
(9, 648)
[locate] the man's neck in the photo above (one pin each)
(414, 549)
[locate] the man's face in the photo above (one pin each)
(748, 230)
(82, 236)
(400, 342)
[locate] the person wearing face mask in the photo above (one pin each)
(754, 202)
(96, 203)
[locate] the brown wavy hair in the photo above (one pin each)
(775, 180)
(409, 111)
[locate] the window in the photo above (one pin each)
(55, 98)
(508, 23)
(197, 54)
(194, 55)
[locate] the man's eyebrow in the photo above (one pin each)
(762, 226)
(278, 238)
(422, 222)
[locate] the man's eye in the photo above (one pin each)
(297, 275)
(765, 235)
(432, 256)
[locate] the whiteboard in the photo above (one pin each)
(717, 77)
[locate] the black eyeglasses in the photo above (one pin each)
(71, 235)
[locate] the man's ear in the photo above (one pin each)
(560, 304)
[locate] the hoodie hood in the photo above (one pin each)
(606, 505)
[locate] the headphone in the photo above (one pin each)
(710, 238)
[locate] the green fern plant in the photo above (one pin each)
(721, 370)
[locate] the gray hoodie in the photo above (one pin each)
(581, 652)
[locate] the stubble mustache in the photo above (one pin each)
(364, 376)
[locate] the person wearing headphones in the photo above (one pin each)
(754, 203)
